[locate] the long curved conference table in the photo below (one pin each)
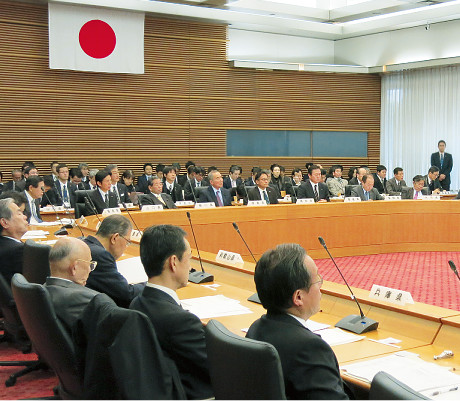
(349, 229)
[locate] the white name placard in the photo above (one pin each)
(391, 295)
(352, 199)
(430, 197)
(184, 203)
(305, 201)
(111, 210)
(151, 208)
(262, 202)
(205, 205)
(392, 198)
(136, 234)
(228, 257)
(59, 208)
(128, 205)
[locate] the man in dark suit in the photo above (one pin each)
(65, 189)
(359, 176)
(215, 192)
(109, 243)
(170, 186)
(50, 196)
(288, 285)
(233, 179)
(102, 198)
(155, 197)
(431, 180)
(166, 254)
(314, 188)
(199, 180)
(251, 182)
(142, 180)
(76, 178)
(416, 191)
(33, 193)
(444, 162)
(17, 183)
(117, 188)
(263, 191)
(380, 179)
(395, 185)
(366, 192)
(70, 265)
(13, 225)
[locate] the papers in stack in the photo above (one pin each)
(338, 337)
(33, 234)
(315, 326)
(132, 270)
(424, 377)
(214, 306)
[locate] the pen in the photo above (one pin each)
(442, 391)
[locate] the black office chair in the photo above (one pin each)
(348, 189)
(386, 387)
(35, 265)
(80, 204)
(140, 197)
(199, 190)
(14, 332)
(241, 368)
(48, 336)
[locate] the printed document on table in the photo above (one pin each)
(214, 306)
(421, 376)
(132, 270)
(337, 336)
(35, 234)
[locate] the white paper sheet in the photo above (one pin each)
(132, 270)
(214, 306)
(337, 336)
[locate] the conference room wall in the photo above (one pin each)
(178, 110)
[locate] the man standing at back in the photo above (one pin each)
(288, 285)
(70, 265)
(165, 254)
(106, 247)
(444, 162)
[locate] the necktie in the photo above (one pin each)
(65, 194)
(315, 190)
(416, 195)
(115, 191)
(160, 199)
(366, 195)
(107, 199)
(14, 186)
(266, 197)
(442, 159)
(34, 212)
(219, 198)
(198, 183)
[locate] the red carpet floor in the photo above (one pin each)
(426, 275)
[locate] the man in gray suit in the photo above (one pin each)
(70, 265)
(336, 184)
(396, 184)
(155, 197)
(417, 190)
(366, 192)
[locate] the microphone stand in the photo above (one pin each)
(131, 217)
(355, 323)
(63, 229)
(254, 297)
(198, 277)
(454, 269)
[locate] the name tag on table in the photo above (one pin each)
(430, 197)
(111, 210)
(151, 208)
(392, 198)
(128, 205)
(228, 257)
(205, 205)
(352, 199)
(257, 203)
(305, 201)
(184, 203)
(136, 235)
(391, 295)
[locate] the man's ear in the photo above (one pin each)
(297, 297)
(113, 238)
(73, 268)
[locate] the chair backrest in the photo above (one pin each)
(48, 336)
(348, 189)
(35, 265)
(198, 191)
(11, 321)
(386, 387)
(81, 194)
(242, 368)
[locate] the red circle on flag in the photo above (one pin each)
(97, 39)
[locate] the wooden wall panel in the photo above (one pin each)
(178, 110)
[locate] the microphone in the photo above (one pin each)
(195, 276)
(131, 217)
(91, 207)
(354, 323)
(454, 268)
(254, 297)
(193, 193)
(63, 229)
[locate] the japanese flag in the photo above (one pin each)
(95, 39)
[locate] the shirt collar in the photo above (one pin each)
(102, 192)
(29, 198)
(14, 239)
(299, 319)
(167, 290)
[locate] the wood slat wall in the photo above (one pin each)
(178, 110)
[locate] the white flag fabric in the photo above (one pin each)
(95, 39)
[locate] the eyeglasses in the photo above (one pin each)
(92, 263)
(128, 242)
(320, 281)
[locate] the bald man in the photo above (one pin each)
(70, 265)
